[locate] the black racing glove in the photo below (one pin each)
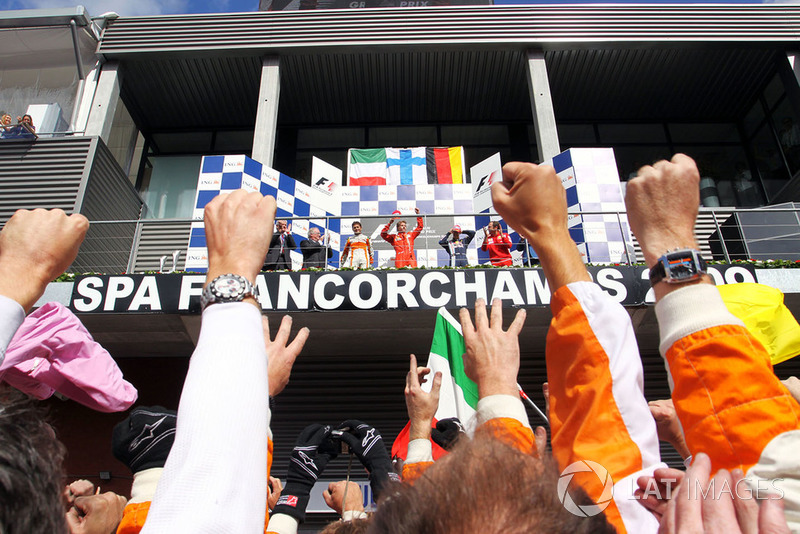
(312, 452)
(367, 444)
(447, 432)
(143, 440)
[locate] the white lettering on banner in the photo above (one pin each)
(376, 291)
(505, 288)
(716, 275)
(536, 287)
(263, 293)
(319, 291)
(146, 295)
(425, 289)
(650, 296)
(607, 279)
(87, 288)
(191, 286)
(118, 287)
(400, 285)
(462, 287)
(744, 274)
(286, 289)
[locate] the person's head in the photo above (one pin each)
(280, 226)
(455, 230)
(356, 526)
(314, 234)
(30, 468)
(494, 227)
(356, 228)
(485, 486)
(401, 226)
(5, 119)
(27, 119)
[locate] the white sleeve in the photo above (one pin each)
(215, 478)
(11, 317)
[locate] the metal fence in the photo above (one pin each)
(722, 234)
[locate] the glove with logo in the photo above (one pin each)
(312, 452)
(447, 432)
(367, 444)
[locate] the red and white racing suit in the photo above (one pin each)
(403, 243)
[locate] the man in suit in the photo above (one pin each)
(314, 250)
(282, 242)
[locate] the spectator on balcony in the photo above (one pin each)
(498, 243)
(26, 121)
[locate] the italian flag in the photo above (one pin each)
(367, 166)
(458, 396)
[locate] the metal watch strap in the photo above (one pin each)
(209, 297)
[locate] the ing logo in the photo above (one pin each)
(585, 466)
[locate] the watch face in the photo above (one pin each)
(680, 267)
(228, 288)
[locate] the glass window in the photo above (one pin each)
(475, 135)
(234, 142)
(405, 136)
(769, 161)
(302, 168)
(123, 137)
(631, 158)
(704, 133)
(631, 133)
(571, 135)
(725, 179)
(754, 118)
(330, 137)
(170, 187)
(788, 133)
(183, 142)
(774, 91)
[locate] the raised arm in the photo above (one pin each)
(35, 247)
(597, 407)
(727, 397)
(215, 478)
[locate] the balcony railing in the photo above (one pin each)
(722, 234)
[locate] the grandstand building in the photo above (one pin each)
(126, 107)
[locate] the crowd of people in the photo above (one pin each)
(23, 128)
(358, 252)
(738, 422)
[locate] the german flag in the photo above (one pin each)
(445, 165)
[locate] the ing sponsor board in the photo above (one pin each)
(365, 290)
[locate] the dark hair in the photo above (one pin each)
(495, 224)
(31, 460)
(484, 486)
(358, 223)
(356, 526)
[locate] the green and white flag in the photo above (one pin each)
(459, 395)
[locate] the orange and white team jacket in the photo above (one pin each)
(357, 252)
(598, 411)
(727, 397)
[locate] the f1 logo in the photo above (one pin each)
(489, 179)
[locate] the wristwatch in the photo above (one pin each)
(227, 288)
(678, 266)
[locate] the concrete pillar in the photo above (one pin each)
(544, 118)
(104, 103)
(267, 113)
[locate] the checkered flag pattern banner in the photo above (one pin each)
(222, 174)
(591, 179)
(589, 175)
